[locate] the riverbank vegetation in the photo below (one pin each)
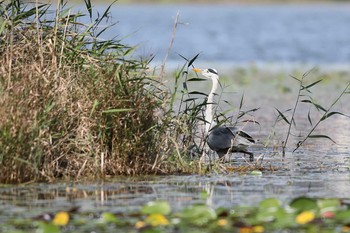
(301, 214)
(75, 106)
(71, 104)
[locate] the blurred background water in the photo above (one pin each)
(317, 34)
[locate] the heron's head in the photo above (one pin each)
(209, 73)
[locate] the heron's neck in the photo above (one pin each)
(209, 123)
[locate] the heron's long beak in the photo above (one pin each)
(197, 70)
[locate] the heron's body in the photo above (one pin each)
(223, 139)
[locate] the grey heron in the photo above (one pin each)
(222, 139)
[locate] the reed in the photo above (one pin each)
(72, 105)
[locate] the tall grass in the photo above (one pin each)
(72, 105)
(304, 96)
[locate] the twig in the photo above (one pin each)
(162, 71)
(284, 144)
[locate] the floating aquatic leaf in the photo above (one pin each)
(109, 218)
(157, 207)
(303, 204)
(328, 205)
(343, 216)
(269, 203)
(198, 214)
(268, 209)
(48, 228)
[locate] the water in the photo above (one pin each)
(233, 34)
(318, 169)
(239, 34)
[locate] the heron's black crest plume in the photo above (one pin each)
(213, 71)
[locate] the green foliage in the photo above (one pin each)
(304, 95)
(300, 215)
(159, 207)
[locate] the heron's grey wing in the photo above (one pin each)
(220, 138)
(241, 134)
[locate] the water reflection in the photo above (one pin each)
(299, 174)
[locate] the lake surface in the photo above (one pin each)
(319, 169)
(234, 34)
(238, 34)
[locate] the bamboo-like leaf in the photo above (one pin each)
(183, 57)
(241, 102)
(319, 107)
(309, 118)
(295, 78)
(283, 116)
(192, 60)
(321, 136)
(312, 84)
(331, 114)
(88, 7)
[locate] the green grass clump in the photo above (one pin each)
(72, 105)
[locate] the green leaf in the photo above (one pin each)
(343, 216)
(269, 203)
(198, 214)
(309, 118)
(157, 207)
(88, 7)
(268, 209)
(303, 203)
(192, 60)
(47, 228)
(109, 218)
(241, 102)
(329, 204)
(312, 84)
(283, 116)
(321, 136)
(331, 114)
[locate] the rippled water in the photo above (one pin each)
(316, 34)
(241, 34)
(319, 169)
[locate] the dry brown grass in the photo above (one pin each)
(66, 111)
